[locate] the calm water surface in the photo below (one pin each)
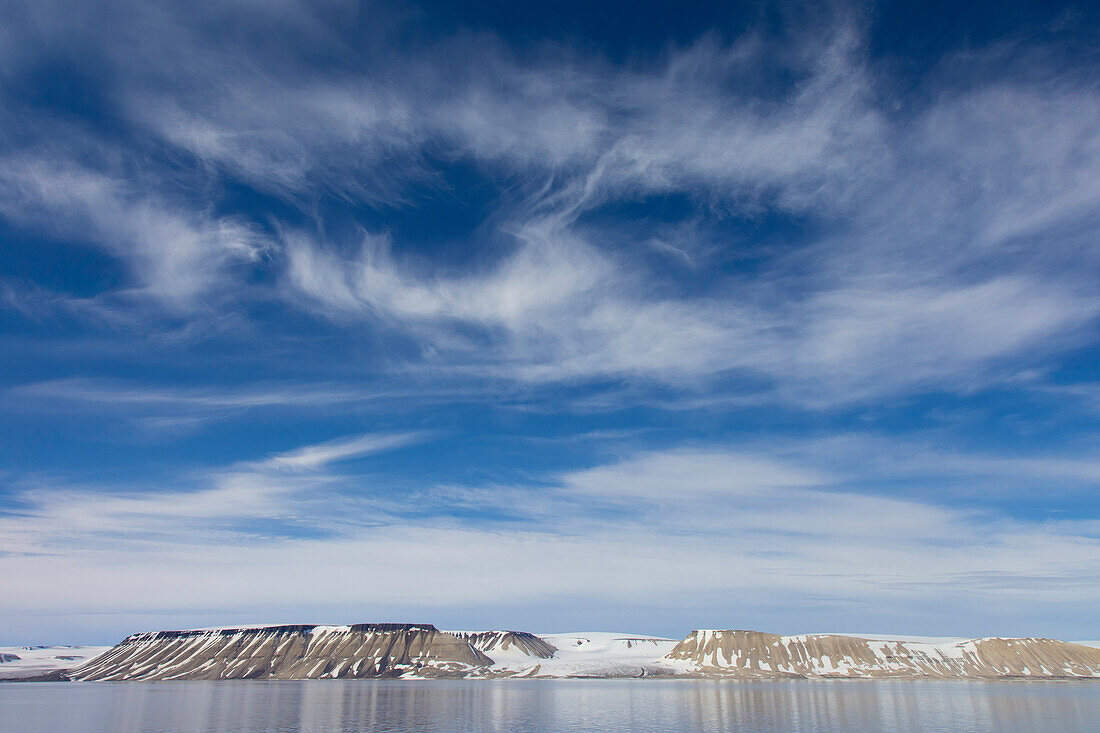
(548, 706)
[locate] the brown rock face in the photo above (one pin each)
(286, 653)
(730, 653)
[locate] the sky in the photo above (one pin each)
(616, 316)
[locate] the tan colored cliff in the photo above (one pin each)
(730, 653)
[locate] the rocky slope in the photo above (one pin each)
(507, 643)
(287, 653)
(755, 654)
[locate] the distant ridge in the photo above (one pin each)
(420, 651)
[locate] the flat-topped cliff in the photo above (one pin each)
(734, 653)
(286, 653)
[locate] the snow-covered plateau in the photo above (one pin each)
(420, 651)
(33, 662)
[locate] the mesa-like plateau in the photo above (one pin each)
(421, 651)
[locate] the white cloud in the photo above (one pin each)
(685, 524)
(175, 255)
(93, 390)
(544, 275)
(713, 475)
(317, 456)
(924, 279)
(114, 393)
(944, 240)
(860, 342)
(558, 308)
(276, 488)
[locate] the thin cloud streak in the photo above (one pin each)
(113, 392)
(322, 454)
(54, 521)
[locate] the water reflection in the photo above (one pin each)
(538, 706)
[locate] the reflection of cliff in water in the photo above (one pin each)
(691, 706)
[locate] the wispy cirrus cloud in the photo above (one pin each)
(893, 293)
(898, 295)
(274, 490)
(175, 255)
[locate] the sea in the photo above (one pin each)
(551, 706)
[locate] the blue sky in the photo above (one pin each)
(642, 317)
